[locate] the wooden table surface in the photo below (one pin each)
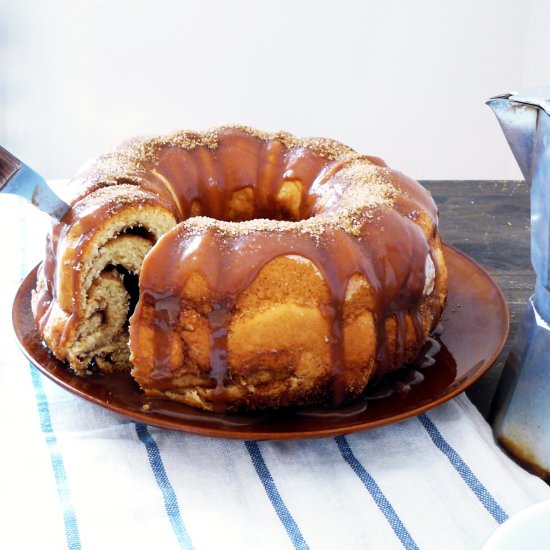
(489, 221)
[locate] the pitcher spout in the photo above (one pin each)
(518, 121)
(525, 120)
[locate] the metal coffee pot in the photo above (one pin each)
(521, 408)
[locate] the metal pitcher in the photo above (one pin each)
(521, 407)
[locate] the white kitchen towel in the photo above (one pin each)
(73, 475)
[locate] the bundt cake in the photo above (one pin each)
(240, 270)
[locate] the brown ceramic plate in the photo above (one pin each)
(475, 324)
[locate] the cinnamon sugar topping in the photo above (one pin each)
(127, 162)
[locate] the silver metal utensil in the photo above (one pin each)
(17, 178)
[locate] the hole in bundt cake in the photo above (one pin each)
(241, 205)
(289, 200)
(285, 204)
(131, 284)
(140, 231)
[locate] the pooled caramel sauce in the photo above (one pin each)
(393, 387)
(386, 248)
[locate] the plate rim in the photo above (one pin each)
(209, 431)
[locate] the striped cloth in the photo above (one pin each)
(76, 476)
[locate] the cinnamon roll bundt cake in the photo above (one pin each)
(239, 270)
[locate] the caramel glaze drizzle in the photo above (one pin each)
(389, 252)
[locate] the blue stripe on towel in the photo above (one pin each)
(170, 499)
(72, 534)
(275, 497)
(69, 516)
(381, 501)
(464, 470)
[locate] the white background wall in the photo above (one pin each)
(402, 79)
